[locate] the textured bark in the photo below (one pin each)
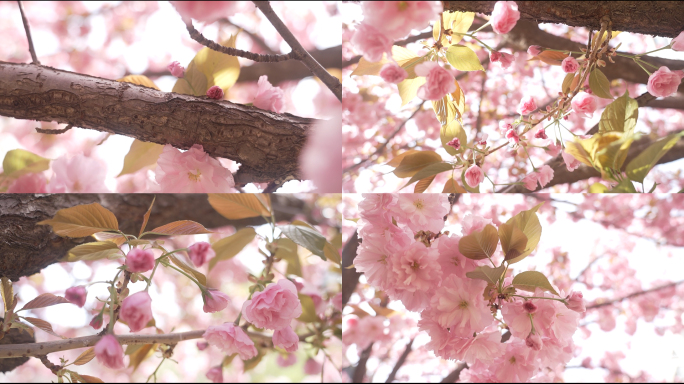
(267, 144)
(26, 248)
(658, 18)
(14, 336)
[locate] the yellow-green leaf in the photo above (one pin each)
(597, 188)
(531, 280)
(234, 206)
(307, 237)
(181, 227)
(189, 270)
(528, 222)
(479, 245)
(94, 251)
(109, 236)
(452, 186)
(408, 89)
(218, 68)
(139, 80)
(85, 357)
(463, 58)
(82, 221)
(449, 132)
(487, 273)
(404, 57)
(458, 102)
(599, 84)
(567, 81)
(250, 364)
(140, 155)
(624, 186)
(638, 168)
(612, 151)
(396, 160)
(19, 162)
(414, 162)
(513, 241)
(445, 110)
(457, 22)
(140, 355)
(287, 250)
(230, 246)
(429, 171)
(620, 116)
(331, 253)
(194, 82)
(308, 309)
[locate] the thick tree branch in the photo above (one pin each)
(265, 143)
(329, 80)
(27, 28)
(349, 275)
(659, 18)
(360, 370)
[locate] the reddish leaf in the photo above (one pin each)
(147, 217)
(85, 357)
(182, 227)
(44, 300)
(42, 324)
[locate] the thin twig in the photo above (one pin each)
(257, 39)
(54, 131)
(32, 49)
(599, 305)
(400, 362)
(127, 278)
(332, 82)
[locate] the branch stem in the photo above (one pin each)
(32, 49)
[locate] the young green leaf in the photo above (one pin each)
(640, 166)
(411, 164)
(19, 162)
(463, 58)
(486, 273)
(513, 241)
(409, 88)
(306, 237)
(230, 246)
(235, 206)
(479, 245)
(449, 132)
(140, 155)
(620, 116)
(528, 222)
(531, 280)
(429, 171)
(94, 251)
(599, 84)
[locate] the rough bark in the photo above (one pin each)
(267, 144)
(26, 248)
(14, 336)
(658, 18)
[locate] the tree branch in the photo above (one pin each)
(32, 49)
(400, 362)
(659, 18)
(360, 370)
(301, 54)
(267, 144)
(453, 376)
(350, 275)
(610, 302)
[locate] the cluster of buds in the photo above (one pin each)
(426, 237)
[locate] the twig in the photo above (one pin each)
(32, 49)
(54, 131)
(478, 122)
(453, 376)
(360, 370)
(53, 367)
(350, 275)
(301, 54)
(257, 39)
(400, 362)
(127, 278)
(634, 295)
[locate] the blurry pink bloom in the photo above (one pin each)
(215, 93)
(530, 181)
(455, 143)
(78, 174)
(545, 175)
(274, 307)
(321, 156)
(29, 183)
(395, 19)
(483, 139)
(529, 306)
(286, 360)
(192, 171)
(438, 81)
(570, 162)
(230, 339)
(586, 363)
(473, 223)
(337, 301)
(202, 345)
(570, 65)
(504, 126)
(312, 367)
(527, 105)
(76, 295)
(504, 16)
(215, 374)
(554, 149)
(512, 137)
(96, 322)
(663, 82)
(211, 11)
(392, 73)
(534, 50)
(136, 310)
(215, 301)
(200, 252)
(269, 97)
(541, 134)
(494, 56)
(109, 352)
(576, 302)
(677, 43)
(474, 176)
(140, 260)
(421, 211)
(371, 42)
(176, 69)
(584, 104)
(506, 59)
(417, 268)
(286, 339)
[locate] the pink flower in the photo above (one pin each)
(459, 305)
(417, 268)
(231, 339)
(200, 252)
(530, 181)
(545, 175)
(312, 367)
(371, 43)
(529, 306)
(534, 341)
(663, 82)
(422, 212)
(176, 69)
(512, 137)
(392, 73)
(506, 59)
(215, 301)
(286, 339)
(677, 43)
(504, 16)
(78, 174)
(395, 19)
(474, 176)
(504, 126)
(534, 50)
(140, 260)
(541, 134)
(274, 307)
(269, 97)
(215, 374)
(576, 302)
(96, 322)
(136, 310)
(438, 81)
(192, 171)
(569, 65)
(76, 295)
(527, 105)
(570, 162)
(215, 93)
(554, 149)
(211, 11)
(455, 143)
(29, 183)
(286, 360)
(109, 352)
(473, 223)
(321, 156)
(494, 56)
(584, 104)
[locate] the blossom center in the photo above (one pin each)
(383, 259)
(415, 265)
(194, 176)
(418, 204)
(463, 304)
(512, 360)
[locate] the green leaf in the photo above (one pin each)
(287, 250)
(640, 166)
(230, 246)
(513, 241)
(625, 186)
(531, 280)
(448, 132)
(599, 84)
(614, 153)
(411, 164)
(452, 186)
(250, 364)
(428, 171)
(308, 309)
(193, 83)
(597, 188)
(408, 89)
(140, 155)
(19, 162)
(621, 115)
(218, 68)
(199, 276)
(139, 80)
(567, 81)
(486, 273)
(306, 237)
(463, 58)
(445, 110)
(332, 253)
(528, 223)
(94, 251)
(479, 245)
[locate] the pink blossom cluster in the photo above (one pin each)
(404, 254)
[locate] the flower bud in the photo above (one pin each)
(176, 69)
(534, 341)
(140, 260)
(76, 295)
(534, 50)
(575, 302)
(96, 322)
(215, 93)
(215, 301)
(529, 306)
(200, 252)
